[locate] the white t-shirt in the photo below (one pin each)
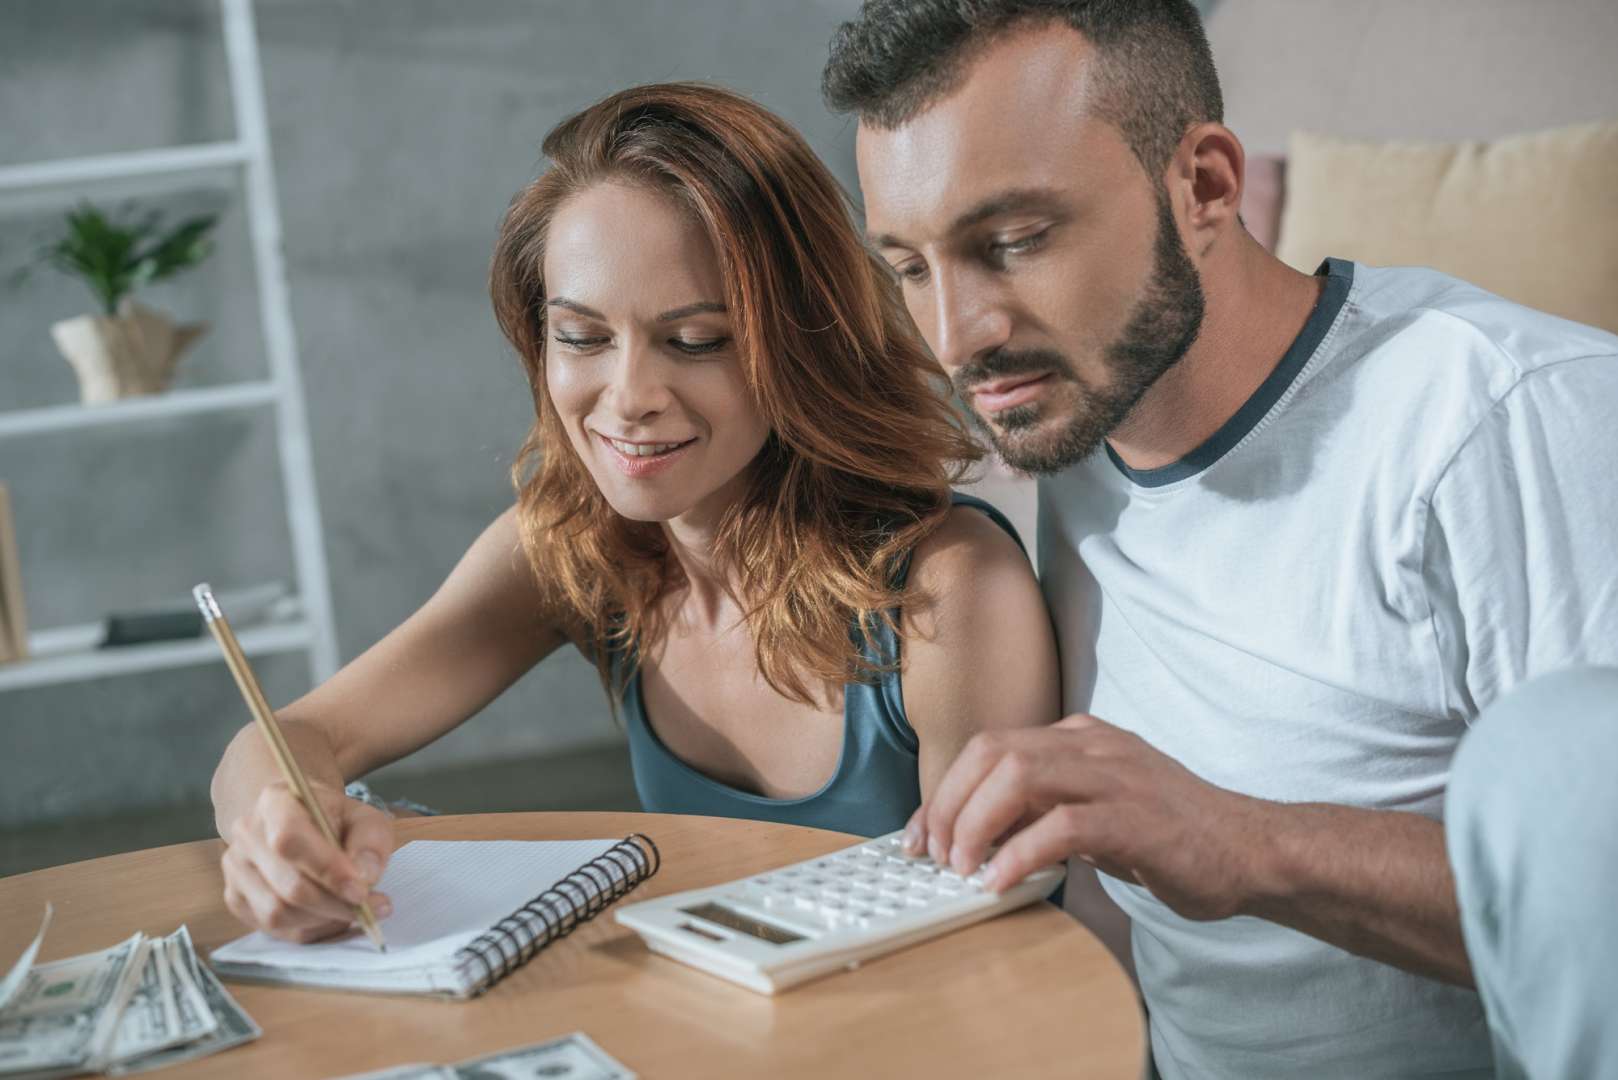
(1417, 511)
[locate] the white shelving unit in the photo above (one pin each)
(67, 654)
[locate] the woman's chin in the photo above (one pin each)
(645, 506)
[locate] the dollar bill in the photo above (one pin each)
(25, 963)
(65, 1014)
(196, 1019)
(232, 1025)
(572, 1057)
(151, 1018)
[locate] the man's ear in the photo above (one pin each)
(1205, 180)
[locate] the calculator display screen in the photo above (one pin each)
(743, 924)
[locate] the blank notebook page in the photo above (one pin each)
(444, 892)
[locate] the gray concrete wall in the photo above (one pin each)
(400, 130)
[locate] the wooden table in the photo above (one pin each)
(1029, 994)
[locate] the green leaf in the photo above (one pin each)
(116, 257)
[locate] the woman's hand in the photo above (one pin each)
(284, 878)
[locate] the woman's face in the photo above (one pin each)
(640, 363)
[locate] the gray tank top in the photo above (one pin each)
(875, 787)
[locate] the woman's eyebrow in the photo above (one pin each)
(701, 307)
(575, 307)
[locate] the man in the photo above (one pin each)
(1296, 532)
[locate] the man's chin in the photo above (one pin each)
(1043, 449)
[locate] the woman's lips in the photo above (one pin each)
(636, 466)
(1004, 394)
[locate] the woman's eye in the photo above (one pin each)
(580, 343)
(697, 348)
(913, 271)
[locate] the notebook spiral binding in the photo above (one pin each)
(554, 913)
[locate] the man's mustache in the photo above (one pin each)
(1003, 362)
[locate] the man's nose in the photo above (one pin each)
(639, 387)
(968, 320)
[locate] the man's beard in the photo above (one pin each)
(1161, 329)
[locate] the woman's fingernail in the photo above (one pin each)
(990, 877)
(355, 892)
(935, 850)
(913, 839)
(382, 908)
(369, 866)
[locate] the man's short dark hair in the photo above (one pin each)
(1155, 74)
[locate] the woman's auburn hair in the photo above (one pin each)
(863, 445)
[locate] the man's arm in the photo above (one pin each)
(1372, 882)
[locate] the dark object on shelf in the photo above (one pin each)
(152, 626)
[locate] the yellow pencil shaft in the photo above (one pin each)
(264, 719)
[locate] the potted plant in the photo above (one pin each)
(129, 348)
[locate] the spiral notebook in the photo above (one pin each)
(466, 913)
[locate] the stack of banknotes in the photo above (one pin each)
(571, 1057)
(142, 1004)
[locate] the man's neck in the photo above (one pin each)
(1255, 307)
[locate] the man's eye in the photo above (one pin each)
(697, 348)
(1022, 245)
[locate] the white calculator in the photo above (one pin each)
(778, 929)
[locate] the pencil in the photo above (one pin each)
(236, 660)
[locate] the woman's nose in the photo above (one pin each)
(639, 386)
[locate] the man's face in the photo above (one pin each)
(1039, 261)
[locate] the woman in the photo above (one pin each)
(735, 499)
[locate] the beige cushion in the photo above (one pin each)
(1531, 217)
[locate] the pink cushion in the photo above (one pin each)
(1263, 198)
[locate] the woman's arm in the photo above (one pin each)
(979, 653)
(984, 657)
(478, 634)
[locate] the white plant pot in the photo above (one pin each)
(124, 355)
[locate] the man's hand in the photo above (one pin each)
(1083, 787)
(1374, 882)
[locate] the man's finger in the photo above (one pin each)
(915, 834)
(1064, 830)
(1027, 781)
(1010, 791)
(1081, 722)
(980, 755)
